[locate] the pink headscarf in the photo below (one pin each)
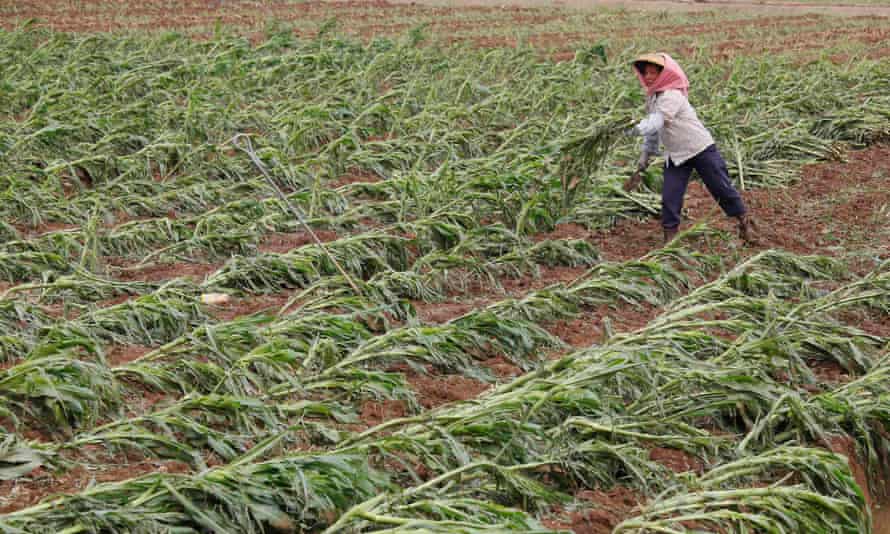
(671, 77)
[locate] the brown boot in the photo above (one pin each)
(747, 228)
(669, 234)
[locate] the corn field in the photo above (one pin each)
(431, 173)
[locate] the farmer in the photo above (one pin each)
(688, 145)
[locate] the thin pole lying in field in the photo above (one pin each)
(247, 148)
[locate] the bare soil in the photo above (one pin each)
(880, 517)
(254, 304)
(596, 511)
(374, 413)
(847, 447)
(30, 232)
(158, 272)
(118, 355)
(433, 391)
(548, 276)
(676, 460)
(353, 176)
(41, 484)
(591, 327)
(502, 368)
(485, 23)
(282, 243)
(758, 6)
(839, 209)
(871, 321)
(442, 312)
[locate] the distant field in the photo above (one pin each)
(720, 33)
(843, 2)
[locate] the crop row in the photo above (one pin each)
(255, 343)
(473, 151)
(321, 107)
(724, 374)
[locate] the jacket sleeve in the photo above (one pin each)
(669, 104)
(651, 125)
(649, 129)
(650, 144)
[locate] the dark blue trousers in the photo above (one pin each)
(712, 169)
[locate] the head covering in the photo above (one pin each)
(671, 77)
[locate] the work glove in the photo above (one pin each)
(632, 132)
(633, 182)
(643, 164)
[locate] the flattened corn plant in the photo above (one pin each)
(434, 167)
(171, 309)
(585, 421)
(604, 406)
(287, 357)
(498, 119)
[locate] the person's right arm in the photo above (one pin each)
(649, 128)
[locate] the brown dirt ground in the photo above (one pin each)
(847, 447)
(877, 495)
(118, 355)
(30, 232)
(374, 412)
(120, 299)
(157, 272)
(482, 296)
(802, 44)
(141, 399)
(282, 243)
(676, 460)
(242, 306)
(837, 209)
(759, 6)
(830, 372)
(596, 511)
(442, 312)
(459, 20)
(871, 321)
(502, 368)
(588, 328)
(767, 28)
(433, 391)
(518, 287)
(40, 484)
(353, 176)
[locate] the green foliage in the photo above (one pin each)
(433, 172)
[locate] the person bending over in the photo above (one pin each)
(671, 121)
